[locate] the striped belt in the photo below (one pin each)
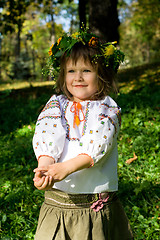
(94, 201)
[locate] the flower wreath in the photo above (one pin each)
(111, 55)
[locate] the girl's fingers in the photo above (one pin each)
(50, 180)
(41, 169)
(45, 183)
(38, 175)
(42, 183)
(38, 182)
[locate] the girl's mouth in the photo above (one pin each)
(80, 86)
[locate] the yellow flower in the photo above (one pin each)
(109, 50)
(58, 41)
(75, 35)
(115, 42)
(50, 50)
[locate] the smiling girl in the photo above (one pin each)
(81, 80)
(75, 142)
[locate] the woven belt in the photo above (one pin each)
(61, 199)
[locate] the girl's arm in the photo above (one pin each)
(59, 171)
(45, 161)
(49, 137)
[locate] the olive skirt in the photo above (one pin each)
(75, 217)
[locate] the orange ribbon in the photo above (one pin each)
(76, 108)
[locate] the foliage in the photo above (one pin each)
(29, 27)
(13, 14)
(70, 13)
(20, 201)
(139, 31)
(138, 182)
(26, 36)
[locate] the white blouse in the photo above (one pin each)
(66, 129)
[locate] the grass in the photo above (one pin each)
(23, 84)
(139, 181)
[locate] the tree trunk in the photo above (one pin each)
(103, 19)
(0, 56)
(18, 44)
(52, 24)
(33, 62)
(71, 23)
(82, 12)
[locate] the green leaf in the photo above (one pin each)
(4, 218)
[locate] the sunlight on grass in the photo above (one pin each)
(24, 84)
(136, 82)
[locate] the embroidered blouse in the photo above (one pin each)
(65, 129)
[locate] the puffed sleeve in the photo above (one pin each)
(102, 130)
(49, 137)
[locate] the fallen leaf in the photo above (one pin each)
(132, 159)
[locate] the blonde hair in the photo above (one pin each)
(106, 76)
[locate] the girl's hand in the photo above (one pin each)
(42, 182)
(57, 171)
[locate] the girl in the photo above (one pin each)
(75, 142)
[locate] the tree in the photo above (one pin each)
(72, 14)
(48, 8)
(82, 10)
(140, 32)
(103, 19)
(52, 8)
(13, 19)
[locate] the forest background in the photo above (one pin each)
(28, 28)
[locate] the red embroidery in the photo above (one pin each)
(45, 156)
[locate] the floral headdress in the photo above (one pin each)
(112, 57)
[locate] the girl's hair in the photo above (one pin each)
(106, 76)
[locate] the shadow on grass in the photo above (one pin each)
(22, 107)
(138, 73)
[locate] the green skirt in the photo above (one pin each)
(76, 217)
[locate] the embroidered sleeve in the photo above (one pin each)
(49, 134)
(101, 139)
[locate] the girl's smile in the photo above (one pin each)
(80, 85)
(81, 80)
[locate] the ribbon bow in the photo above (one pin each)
(76, 108)
(96, 206)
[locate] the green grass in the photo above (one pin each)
(139, 182)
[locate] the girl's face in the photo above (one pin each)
(81, 80)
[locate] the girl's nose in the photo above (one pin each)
(79, 76)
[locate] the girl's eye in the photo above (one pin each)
(87, 70)
(71, 71)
